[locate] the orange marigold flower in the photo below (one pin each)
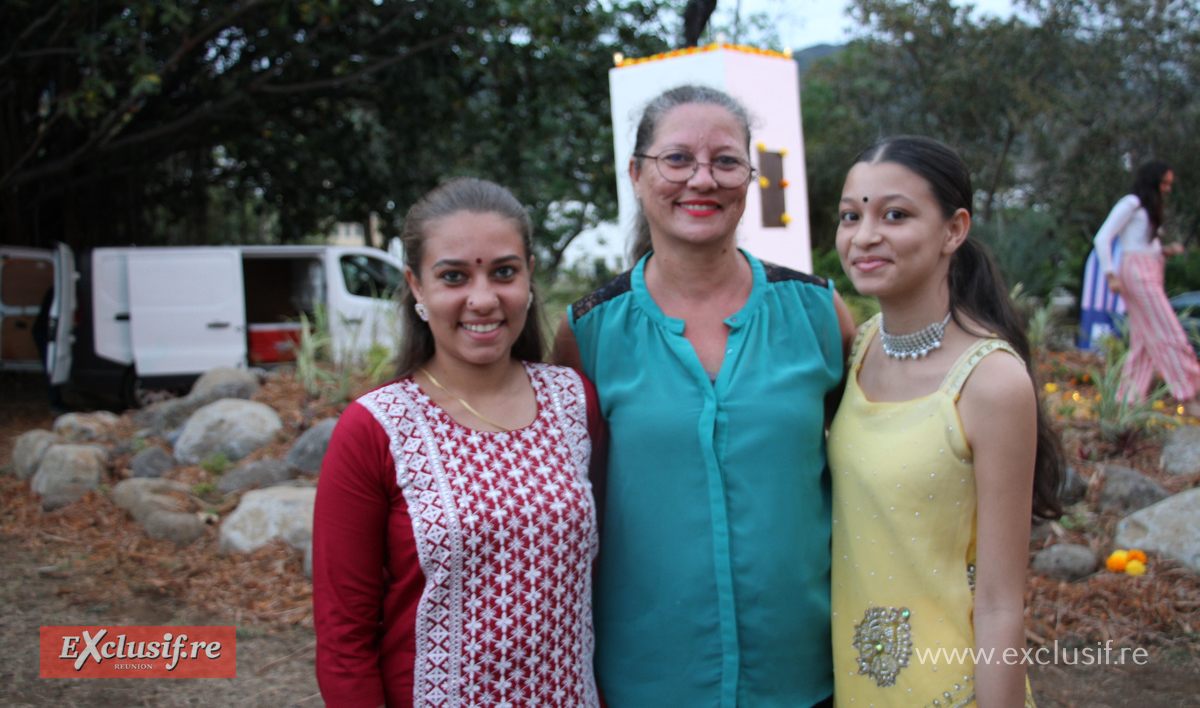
(1136, 555)
(1117, 561)
(1135, 567)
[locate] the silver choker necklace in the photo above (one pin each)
(915, 345)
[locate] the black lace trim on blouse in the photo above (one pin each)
(777, 273)
(613, 288)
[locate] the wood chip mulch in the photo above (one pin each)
(101, 557)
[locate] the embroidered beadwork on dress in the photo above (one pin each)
(505, 529)
(884, 642)
(955, 697)
(971, 577)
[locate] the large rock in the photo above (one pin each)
(226, 382)
(1127, 490)
(1181, 450)
(259, 473)
(85, 427)
(177, 527)
(151, 462)
(1065, 561)
(282, 512)
(1073, 488)
(222, 382)
(141, 497)
(231, 427)
(67, 472)
(308, 451)
(1170, 527)
(30, 447)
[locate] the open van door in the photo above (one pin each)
(26, 279)
(62, 316)
(186, 310)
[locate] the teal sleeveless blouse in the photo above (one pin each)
(712, 584)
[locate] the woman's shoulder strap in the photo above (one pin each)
(961, 371)
(865, 332)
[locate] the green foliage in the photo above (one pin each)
(1051, 113)
(204, 489)
(827, 264)
(1123, 420)
(329, 374)
(217, 463)
(203, 121)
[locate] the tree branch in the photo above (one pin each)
(26, 33)
(338, 81)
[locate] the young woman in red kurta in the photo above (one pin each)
(455, 526)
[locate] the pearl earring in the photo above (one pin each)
(422, 312)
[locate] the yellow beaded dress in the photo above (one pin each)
(904, 544)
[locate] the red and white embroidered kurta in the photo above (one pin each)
(452, 567)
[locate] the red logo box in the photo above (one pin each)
(103, 651)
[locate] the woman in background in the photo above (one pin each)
(1157, 341)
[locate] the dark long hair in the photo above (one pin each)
(977, 289)
(1147, 187)
(449, 198)
(652, 115)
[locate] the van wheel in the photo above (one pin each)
(136, 394)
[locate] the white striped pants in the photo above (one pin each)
(1156, 339)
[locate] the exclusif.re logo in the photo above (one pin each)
(138, 652)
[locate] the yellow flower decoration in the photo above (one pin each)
(1051, 387)
(782, 151)
(1135, 567)
(785, 219)
(762, 147)
(764, 182)
(1117, 561)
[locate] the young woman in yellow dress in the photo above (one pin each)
(938, 452)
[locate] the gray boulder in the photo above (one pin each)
(177, 527)
(309, 449)
(1181, 450)
(85, 427)
(67, 472)
(1065, 561)
(151, 462)
(259, 473)
(231, 427)
(1073, 487)
(226, 382)
(141, 496)
(222, 382)
(280, 512)
(1126, 490)
(1170, 527)
(30, 447)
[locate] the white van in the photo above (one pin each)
(152, 319)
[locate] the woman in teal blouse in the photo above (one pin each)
(713, 367)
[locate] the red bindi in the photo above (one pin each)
(478, 261)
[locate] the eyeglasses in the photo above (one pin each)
(679, 166)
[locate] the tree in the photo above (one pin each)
(144, 121)
(1051, 115)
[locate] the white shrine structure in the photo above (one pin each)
(775, 225)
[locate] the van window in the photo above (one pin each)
(370, 277)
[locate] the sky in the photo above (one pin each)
(803, 23)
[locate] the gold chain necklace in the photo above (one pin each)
(466, 405)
